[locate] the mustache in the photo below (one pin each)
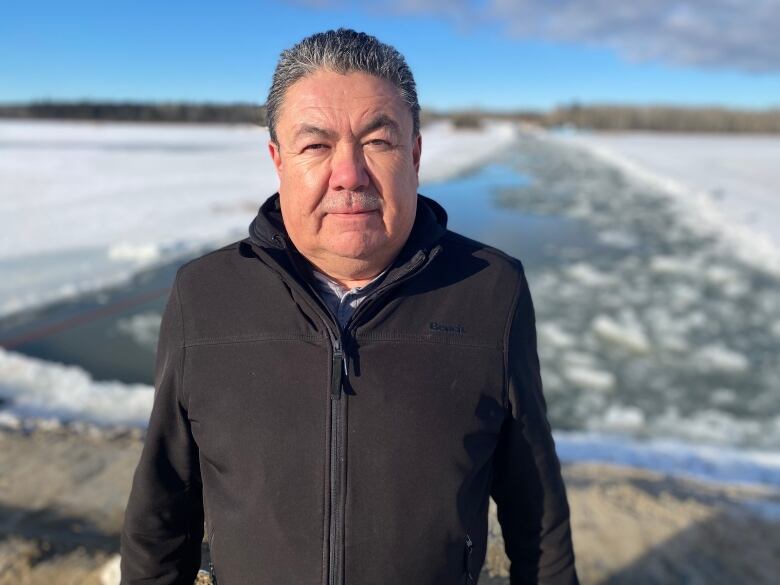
(350, 201)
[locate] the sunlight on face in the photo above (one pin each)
(347, 165)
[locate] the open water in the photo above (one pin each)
(648, 327)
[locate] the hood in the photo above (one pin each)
(267, 228)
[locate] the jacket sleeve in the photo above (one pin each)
(163, 524)
(527, 485)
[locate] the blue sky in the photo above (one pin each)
(492, 54)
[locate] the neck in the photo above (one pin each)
(348, 279)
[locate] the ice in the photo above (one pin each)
(673, 265)
(554, 335)
(664, 329)
(727, 183)
(723, 396)
(714, 464)
(141, 253)
(618, 239)
(589, 275)
(590, 378)
(143, 328)
(625, 335)
(619, 418)
(447, 152)
(87, 204)
(672, 322)
(54, 392)
(720, 358)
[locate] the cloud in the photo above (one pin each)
(708, 33)
(733, 34)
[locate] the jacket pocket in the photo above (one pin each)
(467, 562)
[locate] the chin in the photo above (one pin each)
(360, 250)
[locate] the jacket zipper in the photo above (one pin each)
(337, 406)
(338, 372)
(337, 455)
(212, 572)
(469, 551)
(384, 287)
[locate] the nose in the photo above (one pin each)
(348, 169)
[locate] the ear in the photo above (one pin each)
(417, 152)
(276, 156)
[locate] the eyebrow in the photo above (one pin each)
(309, 130)
(380, 121)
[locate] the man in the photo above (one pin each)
(340, 393)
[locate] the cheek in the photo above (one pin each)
(304, 186)
(396, 173)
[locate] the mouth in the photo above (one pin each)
(352, 211)
(351, 204)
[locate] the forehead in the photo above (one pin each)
(334, 99)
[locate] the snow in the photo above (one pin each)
(36, 388)
(84, 205)
(53, 393)
(728, 182)
(447, 152)
(719, 465)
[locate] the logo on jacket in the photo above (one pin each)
(447, 328)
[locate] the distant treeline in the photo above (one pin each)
(650, 118)
(665, 118)
(596, 117)
(138, 112)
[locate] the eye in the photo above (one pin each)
(378, 142)
(312, 147)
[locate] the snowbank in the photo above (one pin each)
(728, 183)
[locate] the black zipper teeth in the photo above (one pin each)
(212, 572)
(469, 550)
(335, 569)
(336, 466)
(337, 455)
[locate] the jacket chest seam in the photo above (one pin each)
(232, 339)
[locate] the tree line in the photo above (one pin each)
(596, 117)
(241, 113)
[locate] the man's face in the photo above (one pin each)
(347, 166)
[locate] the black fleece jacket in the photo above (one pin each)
(362, 456)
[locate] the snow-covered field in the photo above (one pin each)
(657, 343)
(731, 182)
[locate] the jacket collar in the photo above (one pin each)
(267, 231)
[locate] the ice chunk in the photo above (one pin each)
(589, 275)
(627, 335)
(142, 328)
(719, 358)
(590, 378)
(554, 335)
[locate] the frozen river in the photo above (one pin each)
(659, 343)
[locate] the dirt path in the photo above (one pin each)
(62, 498)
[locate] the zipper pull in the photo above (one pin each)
(338, 372)
(469, 550)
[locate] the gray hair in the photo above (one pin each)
(341, 51)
